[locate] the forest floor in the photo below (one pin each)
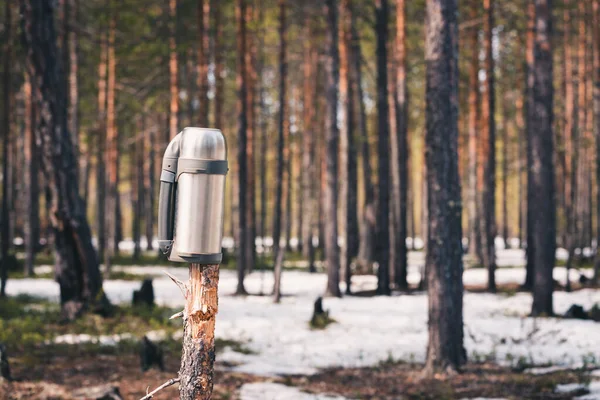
(374, 350)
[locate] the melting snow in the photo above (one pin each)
(368, 330)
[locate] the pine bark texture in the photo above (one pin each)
(445, 351)
(332, 251)
(542, 145)
(198, 354)
(76, 265)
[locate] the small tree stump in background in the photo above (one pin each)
(320, 318)
(576, 312)
(145, 295)
(4, 366)
(198, 356)
(150, 354)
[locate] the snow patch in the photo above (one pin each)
(277, 391)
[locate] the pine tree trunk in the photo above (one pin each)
(308, 167)
(32, 194)
(174, 90)
(111, 210)
(219, 66)
(347, 156)
(489, 149)
(203, 61)
(445, 351)
(367, 224)
(250, 61)
(382, 234)
(277, 250)
(100, 149)
(137, 188)
(530, 62)
(71, 21)
(474, 100)
(76, 265)
(7, 54)
(289, 154)
(401, 103)
(263, 131)
(542, 184)
(332, 251)
(503, 127)
(242, 127)
(596, 66)
(571, 131)
(521, 162)
(149, 166)
(198, 354)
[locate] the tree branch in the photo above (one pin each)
(168, 383)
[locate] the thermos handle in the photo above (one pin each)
(166, 211)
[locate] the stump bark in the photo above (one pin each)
(198, 356)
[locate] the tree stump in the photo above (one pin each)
(145, 295)
(150, 354)
(198, 356)
(4, 366)
(576, 311)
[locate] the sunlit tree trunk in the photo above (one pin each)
(219, 65)
(111, 211)
(542, 145)
(445, 351)
(474, 109)
(203, 61)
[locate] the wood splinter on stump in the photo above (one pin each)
(198, 355)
